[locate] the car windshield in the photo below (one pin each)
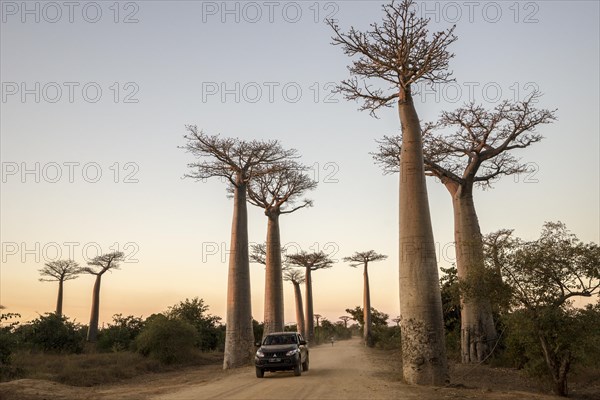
(279, 339)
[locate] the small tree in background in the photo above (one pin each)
(98, 267)
(297, 277)
(60, 271)
(544, 275)
(345, 319)
(364, 258)
(195, 312)
(310, 262)
(169, 340)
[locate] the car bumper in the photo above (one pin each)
(280, 363)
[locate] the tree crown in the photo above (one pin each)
(313, 261)
(239, 161)
(547, 272)
(477, 148)
(284, 185)
(295, 276)
(399, 51)
(105, 262)
(60, 270)
(361, 258)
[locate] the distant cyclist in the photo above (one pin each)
(331, 338)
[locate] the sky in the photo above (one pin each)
(96, 96)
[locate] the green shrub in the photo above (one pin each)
(52, 333)
(195, 312)
(168, 340)
(121, 334)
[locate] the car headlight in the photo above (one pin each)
(291, 352)
(260, 354)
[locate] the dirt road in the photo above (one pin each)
(336, 372)
(342, 371)
(345, 371)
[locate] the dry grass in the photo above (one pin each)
(584, 383)
(98, 368)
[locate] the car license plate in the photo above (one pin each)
(275, 360)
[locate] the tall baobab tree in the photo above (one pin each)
(297, 277)
(345, 318)
(276, 193)
(310, 262)
(60, 271)
(476, 152)
(364, 258)
(239, 162)
(400, 53)
(98, 266)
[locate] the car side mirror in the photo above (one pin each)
(257, 344)
(303, 343)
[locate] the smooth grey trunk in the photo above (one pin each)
(274, 315)
(367, 334)
(59, 301)
(423, 342)
(299, 311)
(478, 332)
(92, 333)
(309, 323)
(239, 337)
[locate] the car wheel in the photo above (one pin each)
(260, 372)
(298, 369)
(305, 364)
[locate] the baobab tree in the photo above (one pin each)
(476, 151)
(397, 320)
(98, 266)
(399, 53)
(297, 277)
(317, 318)
(310, 262)
(238, 162)
(277, 194)
(345, 319)
(60, 271)
(364, 258)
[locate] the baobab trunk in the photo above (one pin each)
(423, 347)
(367, 310)
(59, 301)
(92, 333)
(274, 318)
(310, 326)
(299, 311)
(477, 323)
(239, 337)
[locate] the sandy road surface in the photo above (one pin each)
(336, 372)
(345, 371)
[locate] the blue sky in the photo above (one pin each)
(114, 97)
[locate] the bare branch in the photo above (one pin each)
(60, 270)
(105, 262)
(237, 160)
(362, 258)
(400, 52)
